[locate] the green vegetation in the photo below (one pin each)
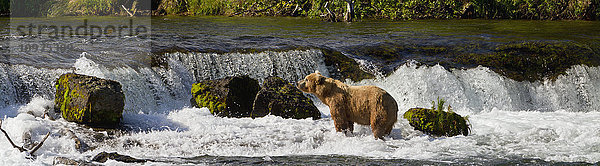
(332, 10)
(4, 7)
(70, 7)
(436, 121)
(391, 9)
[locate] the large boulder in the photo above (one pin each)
(436, 122)
(227, 97)
(89, 100)
(278, 97)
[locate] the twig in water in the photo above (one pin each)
(10, 140)
(21, 147)
(40, 144)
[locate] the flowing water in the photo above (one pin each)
(513, 122)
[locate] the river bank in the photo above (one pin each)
(334, 10)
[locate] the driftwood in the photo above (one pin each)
(127, 10)
(349, 11)
(329, 13)
(21, 148)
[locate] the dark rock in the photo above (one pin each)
(343, 66)
(103, 156)
(89, 100)
(280, 98)
(227, 97)
(436, 122)
(67, 161)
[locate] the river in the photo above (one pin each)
(532, 121)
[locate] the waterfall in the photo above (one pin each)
(290, 65)
(160, 90)
(481, 89)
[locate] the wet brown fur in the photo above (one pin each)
(365, 105)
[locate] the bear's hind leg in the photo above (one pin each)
(380, 126)
(377, 126)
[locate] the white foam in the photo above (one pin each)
(85, 66)
(37, 107)
(553, 121)
(189, 132)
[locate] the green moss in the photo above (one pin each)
(437, 122)
(531, 61)
(69, 112)
(521, 61)
(203, 98)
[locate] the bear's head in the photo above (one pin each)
(313, 83)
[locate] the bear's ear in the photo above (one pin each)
(321, 80)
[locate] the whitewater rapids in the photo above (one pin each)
(549, 120)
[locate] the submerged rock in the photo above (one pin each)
(104, 156)
(89, 100)
(68, 161)
(280, 98)
(227, 97)
(436, 122)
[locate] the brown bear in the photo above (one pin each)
(365, 105)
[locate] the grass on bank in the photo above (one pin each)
(392, 9)
(386, 9)
(30, 8)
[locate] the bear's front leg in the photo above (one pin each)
(339, 119)
(341, 125)
(350, 126)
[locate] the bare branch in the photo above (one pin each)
(10, 140)
(127, 10)
(21, 148)
(40, 144)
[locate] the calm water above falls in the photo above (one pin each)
(542, 122)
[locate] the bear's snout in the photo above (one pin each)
(301, 85)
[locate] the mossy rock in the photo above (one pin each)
(437, 123)
(533, 60)
(280, 98)
(89, 100)
(344, 66)
(227, 97)
(521, 61)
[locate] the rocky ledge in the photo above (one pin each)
(241, 96)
